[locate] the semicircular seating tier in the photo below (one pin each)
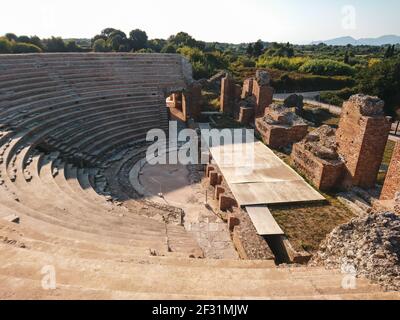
(72, 126)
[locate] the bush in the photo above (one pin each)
(100, 46)
(21, 47)
(297, 82)
(327, 67)
(169, 48)
(337, 97)
(55, 44)
(5, 45)
(383, 80)
(281, 63)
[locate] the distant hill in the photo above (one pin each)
(343, 41)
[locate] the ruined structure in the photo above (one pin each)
(280, 127)
(352, 156)
(260, 90)
(392, 181)
(362, 136)
(247, 103)
(72, 139)
(230, 95)
(316, 157)
(186, 105)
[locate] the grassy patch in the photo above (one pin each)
(386, 160)
(320, 116)
(307, 225)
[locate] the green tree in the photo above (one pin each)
(169, 48)
(11, 36)
(258, 48)
(250, 50)
(157, 44)
(21, 47)
(100, 46)
(116, 42)
(72, 46)
(346, 58)
(390, 51)
(183, 39)
(37, 42)
(24, 39)
(107, 32)
(5, 45)
(55, 44)
(138, 39)
(383, 80)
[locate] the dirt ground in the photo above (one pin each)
(179, 189)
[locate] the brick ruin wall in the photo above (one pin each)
(323, 174)
(256, 94)
(392, 181)
(186, 105)
(230, 95)
(362, 137)
(280, 136)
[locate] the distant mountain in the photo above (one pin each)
(343, 41)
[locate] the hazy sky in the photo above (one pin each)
(297, 21)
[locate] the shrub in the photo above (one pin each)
(244, 62)
(100, 46)
(281, 63)
(297, 82)
(21, 47)
(5, 45)
(169, 48)
(383, 80)
(337, 97)
(327, 67)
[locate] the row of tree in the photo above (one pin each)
(12, 43)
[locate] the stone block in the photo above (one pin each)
(362, 137)
(213, 178)
(209, 169)
(280, 136)
(324, 174)
(232, 222)
(218, 191)
(227, 203)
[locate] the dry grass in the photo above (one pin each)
(386, 160)
(307, 225)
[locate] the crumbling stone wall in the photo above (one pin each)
(230, 95)
(256, 94)
(316, 157)
(392, 181)
(280, 127)
(259, 87)
(362, 136)
(191, 101)
(186, 105)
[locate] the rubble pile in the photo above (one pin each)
(370, 245)
(322, 143)
(280, 115)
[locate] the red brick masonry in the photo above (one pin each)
(392, 182)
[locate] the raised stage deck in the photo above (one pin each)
(261, 179)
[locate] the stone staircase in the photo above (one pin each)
(86, 270)
(71, 128)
